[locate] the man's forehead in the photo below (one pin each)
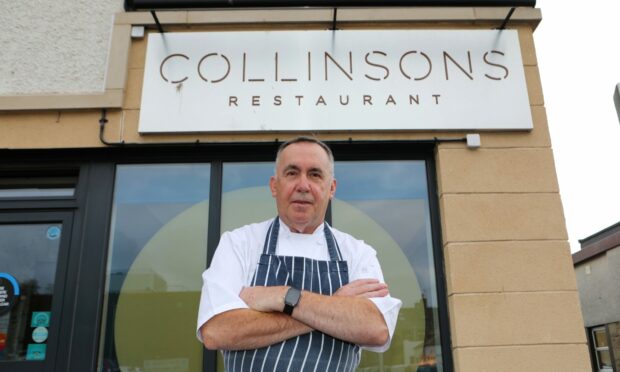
(304, 155)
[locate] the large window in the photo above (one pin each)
(385, 203)
(158, 250)
(159, 247)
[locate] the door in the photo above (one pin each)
(33, 255)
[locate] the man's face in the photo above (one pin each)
(303, 186)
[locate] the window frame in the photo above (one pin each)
(596, 349)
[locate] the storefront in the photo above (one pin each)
(112, 204)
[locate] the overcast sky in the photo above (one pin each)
(578, 49)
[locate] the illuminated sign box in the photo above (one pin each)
(342, 80)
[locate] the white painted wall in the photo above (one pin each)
(60, 46)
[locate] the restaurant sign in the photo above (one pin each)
(334, 80)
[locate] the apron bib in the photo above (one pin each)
(314, 351)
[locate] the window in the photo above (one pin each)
(158, 250)
(601, 349)
(166, 221)
(38, 184)
(394, 218)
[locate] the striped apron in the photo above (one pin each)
(314, 351)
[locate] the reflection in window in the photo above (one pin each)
(158, 244)
(28, 258)
(36, 192)
(385, 203)
(246, 196)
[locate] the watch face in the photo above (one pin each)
(292, 296)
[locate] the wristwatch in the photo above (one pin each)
(291, 299)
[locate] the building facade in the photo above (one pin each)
(119, 172)
(596, 266)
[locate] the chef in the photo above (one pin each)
(292, 293)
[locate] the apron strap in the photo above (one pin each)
(332, 243)
(271, 240)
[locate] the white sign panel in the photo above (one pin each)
(342, 80)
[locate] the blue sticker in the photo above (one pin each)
(53, 233)
(36, 352)
(40, 319)
(9, 292)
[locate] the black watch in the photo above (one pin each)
(291, 299)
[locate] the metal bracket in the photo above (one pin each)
(334, 21)
(503, 25)
(159, 27)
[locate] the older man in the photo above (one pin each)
(293, 293)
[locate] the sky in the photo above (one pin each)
(578, 51)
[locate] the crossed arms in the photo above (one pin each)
(348, 315)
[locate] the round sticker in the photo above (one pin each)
(53, 233)
(39, 334)
(9, 292)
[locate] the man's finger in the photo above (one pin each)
(373, 294)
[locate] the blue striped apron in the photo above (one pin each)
(314, 351)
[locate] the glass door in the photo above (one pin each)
(33, 250)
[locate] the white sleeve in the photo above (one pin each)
(224, 279)
(367, 267)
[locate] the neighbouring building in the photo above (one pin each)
(597, 267)
(130, 140)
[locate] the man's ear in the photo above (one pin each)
(272, 186)
(332, 189)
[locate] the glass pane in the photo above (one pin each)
(28, 258)
(158, 249)
(613, 330)
(600, 338)
(246, 188)
(34, 192)
(604, 359)
(246, 199)
(385, 203)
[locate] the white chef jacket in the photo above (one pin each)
(234, 263)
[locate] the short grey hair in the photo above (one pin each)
(304, 139)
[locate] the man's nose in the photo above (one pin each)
(303, 184)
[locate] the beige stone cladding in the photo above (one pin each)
(511, 290)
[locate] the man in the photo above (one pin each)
(293, 293)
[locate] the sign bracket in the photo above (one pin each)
(503, 25)
(159, 27)
(334, 21)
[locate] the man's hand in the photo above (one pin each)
(367, 288)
